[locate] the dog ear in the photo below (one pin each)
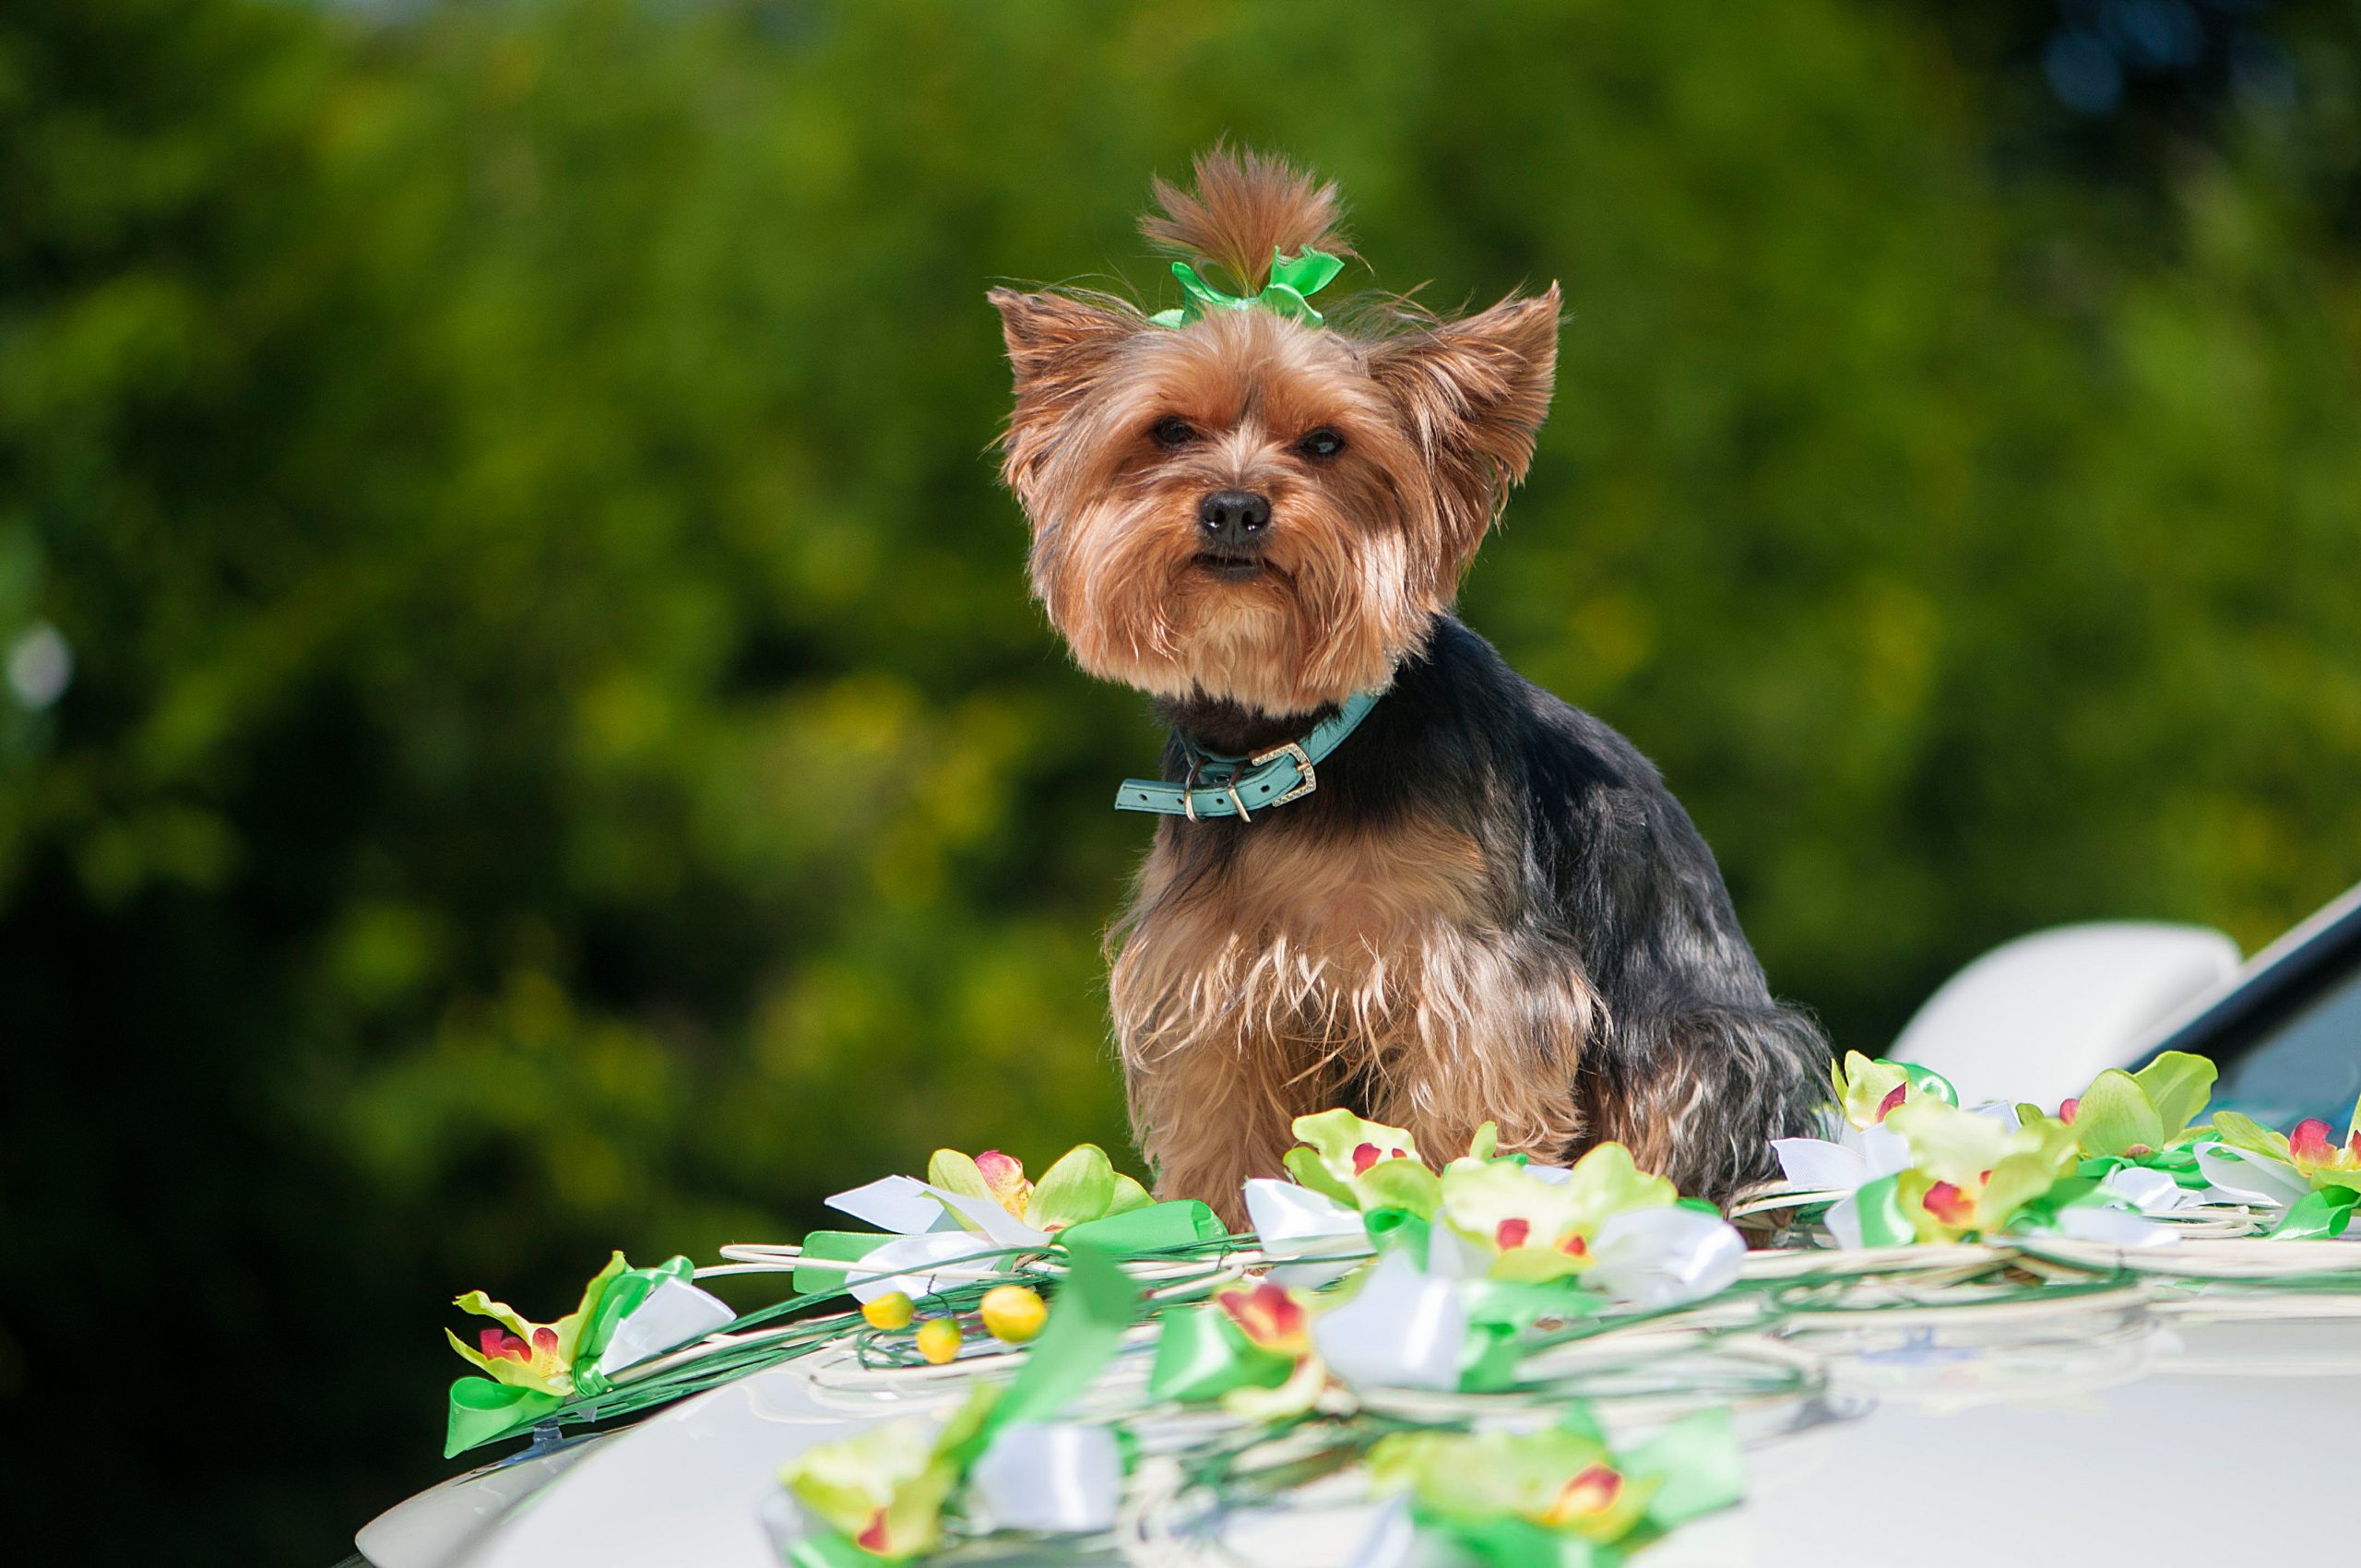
(1055, 340)
(1473, 394)
(1059, 347)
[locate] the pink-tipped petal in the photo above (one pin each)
(1592, 1490)
(2310, 1141)
(1900, 1092)
(873, 1534)
(1574, 1246)
(1364, 1156)
(500, 1342)
(1512, 1233)
(1949, 1205)
(2067, 1107)
(1267, 1313)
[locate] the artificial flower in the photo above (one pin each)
(1358, 1162)
(884, 1487)
(1503, 1498)
(1082, 1186)
(1968, 1175)
(2309, 1150)
(2138, 1116)
(1870, 1088)
(1533, 1225)
(524, 1354)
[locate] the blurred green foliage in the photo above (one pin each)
(558, 751)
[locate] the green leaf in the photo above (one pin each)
(957, 1173)
(1080, 1186)
(2116, 1117)
(2177, 1085)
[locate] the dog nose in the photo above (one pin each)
(1234, 516)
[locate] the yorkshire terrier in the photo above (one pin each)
(1462, 901)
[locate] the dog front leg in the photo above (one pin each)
(1208, 1114)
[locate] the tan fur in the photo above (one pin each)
(1313, 968)
(1245, 207)
(1249, 993)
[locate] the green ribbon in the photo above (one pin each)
(824, 1548)
(841, 1246)
(1927, 1081)
(2317, 1217)
(1883, 1222)
(1087, 1320)
(1294, 279)
(482, 1410)
(1183, 1222)
(1201, 1355)
(1398, 1227)
(623, 1296)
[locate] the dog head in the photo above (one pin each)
(1250, 506)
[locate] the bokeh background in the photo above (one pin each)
(523, 729)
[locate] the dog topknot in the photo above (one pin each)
(1246, 206)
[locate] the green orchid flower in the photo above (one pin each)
(1363, 1164)
(884, 1489)
(1870, 1088)
(536, 1357)
(2137, 1116)
(2308, 1148)
(1541, 1230)
(1503, 1496)
(1970, 1174)
(1083, 1185)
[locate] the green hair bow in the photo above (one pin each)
(1293, 281)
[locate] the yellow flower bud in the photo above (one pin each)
(894, 1311)
(939, 1340)
(1013, 1313)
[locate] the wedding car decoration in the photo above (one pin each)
(1457, 1326)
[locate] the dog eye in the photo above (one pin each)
(1321, 443)
(1171, 433)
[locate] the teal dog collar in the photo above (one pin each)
(1234, 786)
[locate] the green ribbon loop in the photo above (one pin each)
(1927, 1082)
(623, 1296)
(1201, 1355)
(1883, 1222)
(1183, 1222)
(482, 1410)
(2317, 1217)
(837, 1246)
(1294, 279)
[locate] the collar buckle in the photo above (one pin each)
(1304, 786)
